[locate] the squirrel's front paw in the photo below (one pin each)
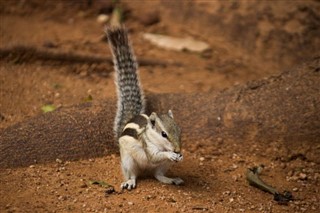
(129, 184)
(175, 156)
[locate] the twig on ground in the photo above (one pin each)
(253, 178)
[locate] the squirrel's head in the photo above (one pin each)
(165, 126)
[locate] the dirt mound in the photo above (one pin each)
(250, 41)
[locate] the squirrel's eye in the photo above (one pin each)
(164, 134)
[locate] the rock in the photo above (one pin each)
(303, 176)
(103, 18)
(59, 161)
(174, 43)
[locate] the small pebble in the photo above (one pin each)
(236, 177)
(201, 158)
(130, 203)
(58, 161)
(302, 176)
(226, 193)
(102, 18)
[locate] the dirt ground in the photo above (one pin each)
(214, 174)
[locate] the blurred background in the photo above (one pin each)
(208, 45)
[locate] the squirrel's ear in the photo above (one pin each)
(170, 113)
(153, 118)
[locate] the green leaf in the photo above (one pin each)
(88, 99)
(48, 108)
(56, 86)
(100, 183)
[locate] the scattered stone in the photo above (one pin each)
(59, 161)
(283, 165)
(174, 43)
(226, 193)
(295, 189)
(130, 203)
(201, 158)
(84, 185)
(235, 178)
(103, 18)
(303, 176)
(290, 173)
(149, 197)
(234, 166)
(62, 197)
(171, 200)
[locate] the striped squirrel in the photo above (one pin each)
(147, 143)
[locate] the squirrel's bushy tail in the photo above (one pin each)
(129, 91)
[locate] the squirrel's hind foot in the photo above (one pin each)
(129, 184)
(166, 180)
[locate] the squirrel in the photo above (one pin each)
(148, 144)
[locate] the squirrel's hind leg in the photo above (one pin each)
(166, 180)
(159, 175)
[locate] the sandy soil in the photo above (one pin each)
(213, 171)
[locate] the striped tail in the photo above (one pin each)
(129, 90)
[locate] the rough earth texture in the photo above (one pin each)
(249, 40)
